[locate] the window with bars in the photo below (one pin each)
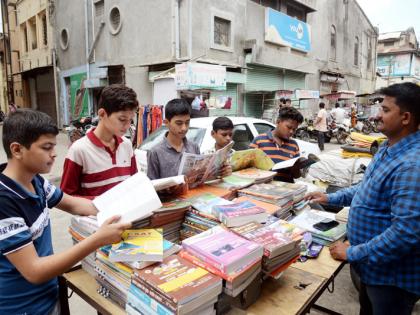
(44, 30)
(99, 8)
(222, 29)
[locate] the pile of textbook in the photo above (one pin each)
(79, 229)
(223, 253)
(272, 193)
(281, 242)
(115, 264)
(174, 286)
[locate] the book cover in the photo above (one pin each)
(223, 249)
(218, 209)
(269, 191)
(204, 203)
(255, 174)
(132, 199)
(199, 168)
(268, 207)
(250, 158)
(178, 279)
(138, 245)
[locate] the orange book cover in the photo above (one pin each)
(269, 207)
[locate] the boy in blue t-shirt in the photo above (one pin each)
(28, 267)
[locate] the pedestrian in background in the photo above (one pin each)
(320, 125)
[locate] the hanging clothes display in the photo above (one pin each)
(148, 120)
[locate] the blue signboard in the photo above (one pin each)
(284, 30)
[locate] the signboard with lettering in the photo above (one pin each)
(284, 30)
(398, 65)
(306, 94)
(193, 76)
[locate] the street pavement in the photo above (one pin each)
(344, 298)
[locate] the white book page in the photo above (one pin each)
(133, 199)
(285, 164)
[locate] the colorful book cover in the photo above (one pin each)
(204, 203)
(269, 191)
(178, 279)
(255, 174)
(136, 245)
(223, 249)
(250, 158)
(268, 207)
(217, 210)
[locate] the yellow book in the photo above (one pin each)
(250, 158)
(138, 245)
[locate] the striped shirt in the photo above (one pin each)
(278, 153)
(25, 220)
(384, 219)
(91, 168)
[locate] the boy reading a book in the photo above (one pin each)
(104, 157)
(28, 267)
(279, 146)
(163, 160)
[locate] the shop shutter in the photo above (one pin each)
(263, 79)
(294, 80)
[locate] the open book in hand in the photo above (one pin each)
(250, 158)
(299, 162)
(199, 168)
(133, 199)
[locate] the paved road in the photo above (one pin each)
(344, 299)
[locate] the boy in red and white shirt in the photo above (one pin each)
(103, 158)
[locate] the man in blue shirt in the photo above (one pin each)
(384, 220)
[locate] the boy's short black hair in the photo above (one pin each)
(287, 100)
(222, 123)
(407, 97)
(117, 97)
(337, 105)
(321, 105)
(25, 126)
(291, 113)
(175, 107)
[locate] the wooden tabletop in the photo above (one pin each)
(282, 297)
(324, 265)
(86, 287)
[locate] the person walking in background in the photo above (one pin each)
(320, 125)
(338, 114)
(384, 219)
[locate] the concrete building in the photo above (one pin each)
(31, 54)
(266, 50)
(398, 58)
(3, 78)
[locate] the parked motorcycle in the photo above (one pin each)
(79, 127)
(366, 125)
(307, 131)
(340, 131)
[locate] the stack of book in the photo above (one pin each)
(298, 190)
(237, 214)
(280, 241)
(79, 229)
(114, 278)
(235, 259)
(259, 176)
(200, 218)
(308, 218)
(270, 208)
(232, 182)
(114, 264)
(174, 286)
(274, 194)
(169, 218)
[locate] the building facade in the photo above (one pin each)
(398, 58)
(30, 69)
(267, 49)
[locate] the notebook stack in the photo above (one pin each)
(80, 228)
(174, 286)
(237, 214)
(308, 218)
(222, 252)
(280, 241)
(273, 194)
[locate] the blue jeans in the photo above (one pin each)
(385, 299)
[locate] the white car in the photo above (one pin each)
(245, 130)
